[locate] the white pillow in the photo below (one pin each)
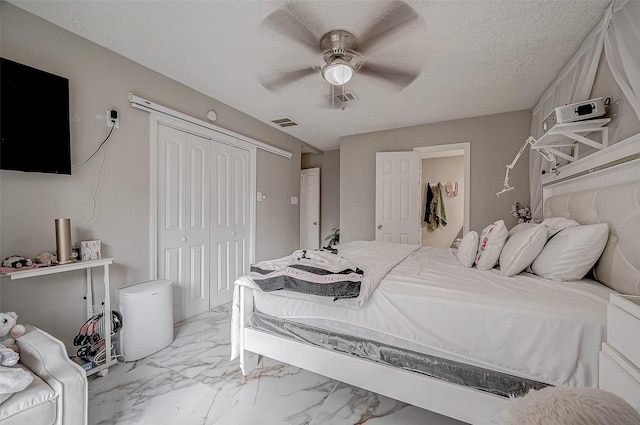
(468, 249)
(490, 245)
(522, 248)
(556, 224)
(519, 227)
(571, 253)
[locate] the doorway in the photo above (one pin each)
(444, 175)
(310, 208)
(446, 164)
(400, 200)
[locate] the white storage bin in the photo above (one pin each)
(147, 317)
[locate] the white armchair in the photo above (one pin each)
(58, 394)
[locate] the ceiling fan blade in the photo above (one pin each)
(393, 19)
(274, 83)
(294, 21)
(397, 77)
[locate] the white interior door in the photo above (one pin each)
(398, 197)
(310, 208)
(230, 232)
(184, 218)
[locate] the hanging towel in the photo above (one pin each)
(441, 215)
(429, 200)
(438, 214)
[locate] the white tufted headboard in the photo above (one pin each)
(604, 188)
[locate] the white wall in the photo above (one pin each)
(329, 164)
(278, 222)
(443, 170)
(29, 202)
(494, 141)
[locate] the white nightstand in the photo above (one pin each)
(620, 355)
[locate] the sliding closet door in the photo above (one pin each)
(231, 214)
(397, 197)
(184, 225)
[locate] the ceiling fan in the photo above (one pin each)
(343, 54)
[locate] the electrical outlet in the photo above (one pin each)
(113, 119)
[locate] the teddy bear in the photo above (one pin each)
(9, 330)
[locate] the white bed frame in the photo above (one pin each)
(462, 403)
(458, 402)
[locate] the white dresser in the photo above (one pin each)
(620, 355)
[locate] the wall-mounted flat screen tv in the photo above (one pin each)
(34, 120)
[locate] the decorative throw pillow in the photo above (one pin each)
(571, 253)
(468, 249)
(556, 224)
(492, 239)
(522, 248)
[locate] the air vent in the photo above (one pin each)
(285, 122)
(345, 97)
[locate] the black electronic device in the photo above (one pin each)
(34, 120)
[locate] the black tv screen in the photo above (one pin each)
(34, 120)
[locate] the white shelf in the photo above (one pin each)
(58, 268)
(568, 135)
(103, 368)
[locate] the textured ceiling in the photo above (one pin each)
(475, 57)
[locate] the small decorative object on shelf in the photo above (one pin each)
(16, 262)
(521, 212)
(46, 258)
(90, 250)
(63, 241)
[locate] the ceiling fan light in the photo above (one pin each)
(337, 72)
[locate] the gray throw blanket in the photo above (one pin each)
(309, 272)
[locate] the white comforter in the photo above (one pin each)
(375, 258)
(524, 325)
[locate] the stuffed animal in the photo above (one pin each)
(9, 330)
(46, 258)
(16, 261)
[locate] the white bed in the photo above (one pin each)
(432, 305)
(525, 326)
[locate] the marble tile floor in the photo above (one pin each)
(192, 382)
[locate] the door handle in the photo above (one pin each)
(183, 239)
(379, 226)
(315, 223)
(233, 233)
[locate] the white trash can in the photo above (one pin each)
(147, 318)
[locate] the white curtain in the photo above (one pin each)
(619, 35)
(573, 84)
(622, 49)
